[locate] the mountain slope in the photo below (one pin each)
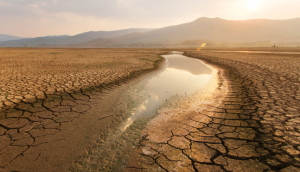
(213, 29)
(65, 39)
(217, 29)
(4, 37)
(209, 29)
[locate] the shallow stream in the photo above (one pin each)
(180, 76)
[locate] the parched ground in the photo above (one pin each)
(255, 126)
(30, 74)
(55, 102)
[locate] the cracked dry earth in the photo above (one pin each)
(253, 127)
(30, 74)
(55, 102)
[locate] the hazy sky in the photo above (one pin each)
(31, 18)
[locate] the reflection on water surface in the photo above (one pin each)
(182, 76)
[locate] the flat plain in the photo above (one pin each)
(55, 100)
(30, 74)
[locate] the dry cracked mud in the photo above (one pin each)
(254, 126)
(30, 74)
(55, 102)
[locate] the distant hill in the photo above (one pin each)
(66, 39)
(213, 30)
(4, 37)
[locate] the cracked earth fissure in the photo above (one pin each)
(31, 130)
(253, 127)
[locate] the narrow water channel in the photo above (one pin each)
(181, 76)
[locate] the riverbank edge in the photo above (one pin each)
(276, 152)
(211, 94)
(83, 162)
(102, 90)
(158, 139)
(107, 85)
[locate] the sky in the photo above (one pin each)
(33, 18)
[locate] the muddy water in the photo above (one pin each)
(181, 76)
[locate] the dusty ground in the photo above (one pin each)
(30, 74)
(57, 102)
(246, 120)
(250, 123)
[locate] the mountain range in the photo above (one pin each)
(4, 37)
(210, 30)
(63, 40)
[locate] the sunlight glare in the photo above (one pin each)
(202, 45)
(253, 4)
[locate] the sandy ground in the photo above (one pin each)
(249, 123)
(57, 102)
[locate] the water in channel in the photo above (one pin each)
(181, 76)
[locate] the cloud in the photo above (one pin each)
(105, 8)
(123, 3)
(120, 14)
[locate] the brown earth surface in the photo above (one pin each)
(250, 123)
(54, 103)
(30, 74)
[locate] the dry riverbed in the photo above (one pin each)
(246, 118)
(56, 102)
(29, 74)
(251, 125)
